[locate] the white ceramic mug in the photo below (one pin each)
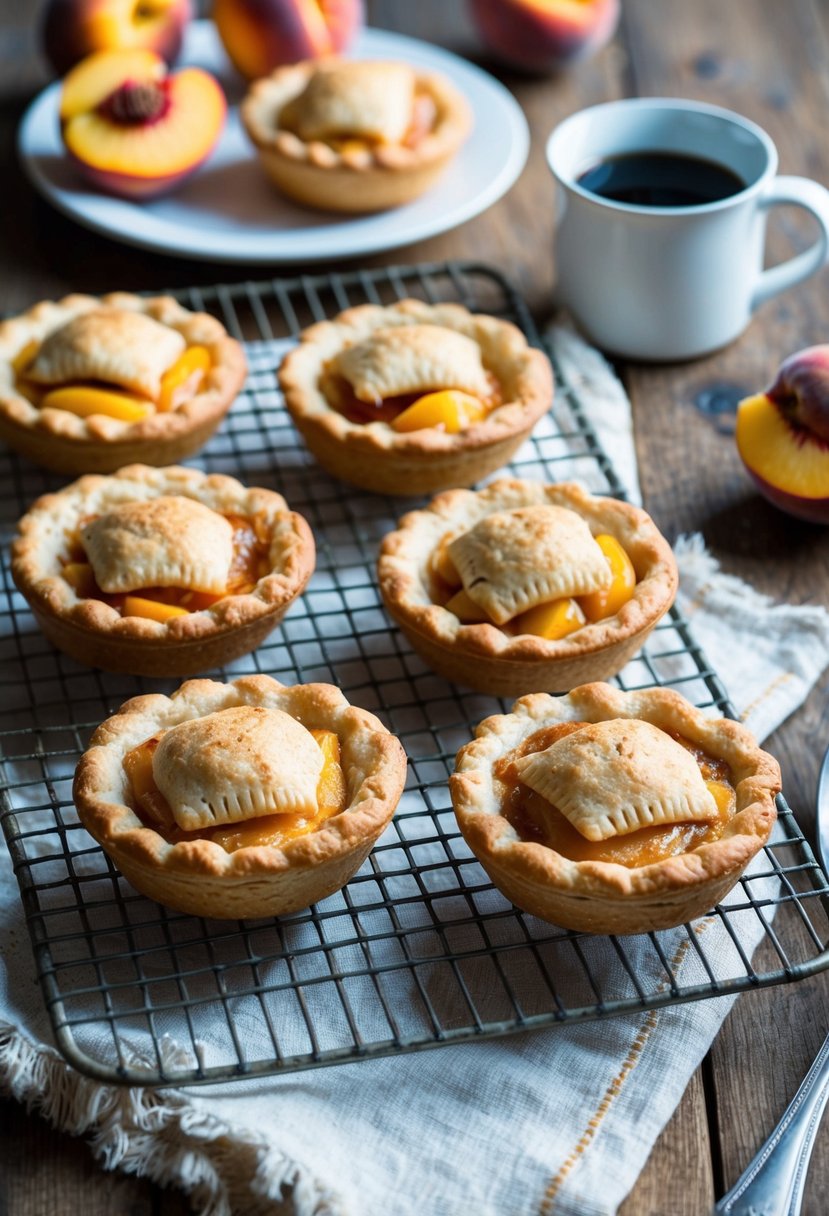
(672, 283)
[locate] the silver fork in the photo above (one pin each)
(773, 1182)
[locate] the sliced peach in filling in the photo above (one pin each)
(608, 600)
(151, 610)
(552, 621)
(466, 610)
(88, 399)
(450, 410)
(264, 831)
(183, 380)
(81, 578)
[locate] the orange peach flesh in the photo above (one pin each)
(180, 382)
(787, 458)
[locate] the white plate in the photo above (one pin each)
(228, 212)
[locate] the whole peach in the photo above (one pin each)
(73, 29)
(542, 35)
(260, 35)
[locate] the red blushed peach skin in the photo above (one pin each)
(789, 464)
(260, 35)
(73, 29)
(540, 35)
(144, 159)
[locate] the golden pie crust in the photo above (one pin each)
(125, 340)
(370, 101)
(373, 455)
(93, 632)
(599, 896)
(199, 876)
(485, 657)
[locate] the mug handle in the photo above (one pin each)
(814, 198)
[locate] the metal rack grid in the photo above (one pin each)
(419, 949)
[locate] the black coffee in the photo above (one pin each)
(661, 179)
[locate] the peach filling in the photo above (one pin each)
(445, 409)
(553, 620)
(251, 561)
(267, 830)
(179, 383)
(536, 820)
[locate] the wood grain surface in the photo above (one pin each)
(768, 60)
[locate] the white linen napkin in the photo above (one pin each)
(556, 1121)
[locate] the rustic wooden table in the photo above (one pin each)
(769, 61)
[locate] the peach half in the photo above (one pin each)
(135, 131)
(260, 35)
(788, 463)
(73, 29)
(783, 436)
(542, 35)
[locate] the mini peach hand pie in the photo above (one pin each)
(161, 571)
(242, 799)
(355, 135)
(88, 385)
(414, 397)
(613, 812)
(522, 586)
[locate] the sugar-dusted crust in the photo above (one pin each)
(67, 443)
(485, 657)
(601, 897)
(95, 633)
(354, 180)
(379, 458)
(200, 877)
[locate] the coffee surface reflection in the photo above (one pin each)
(661, 179)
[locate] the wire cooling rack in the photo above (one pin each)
(418, 949)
